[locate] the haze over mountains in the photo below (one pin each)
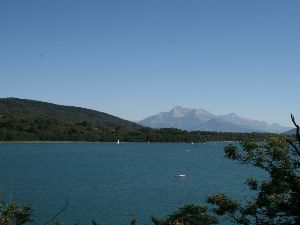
(200, 119)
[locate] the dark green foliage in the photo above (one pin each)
(27, 120)
(188, 215)
(14, 214)
(225, 204)
(277, 199)
(94, 223)
(133, 222)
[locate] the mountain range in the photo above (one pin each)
(200, 119)
(31, 120)
(291, 132)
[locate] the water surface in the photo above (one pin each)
(108, 182)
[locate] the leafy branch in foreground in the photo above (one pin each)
(14, 214)
(188, 215)
(276, 199)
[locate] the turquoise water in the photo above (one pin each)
(107, 182)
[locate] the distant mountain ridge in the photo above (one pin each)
(201, 119)
(31, 120)
(291, 132)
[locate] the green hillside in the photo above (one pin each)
(24, 108)
(23, 119)
(29, 120)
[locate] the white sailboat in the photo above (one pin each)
(179, 175)
(118, 142)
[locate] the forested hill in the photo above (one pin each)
(22, 119)
(29, 109)
(29, 120)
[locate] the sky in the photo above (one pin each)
(133, 59)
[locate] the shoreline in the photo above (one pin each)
(94, 142)
(107, 142)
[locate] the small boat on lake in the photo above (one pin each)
(179, 175)
(118, 142)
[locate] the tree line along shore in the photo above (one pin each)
(30, 120)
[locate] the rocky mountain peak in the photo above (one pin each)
(200, 119)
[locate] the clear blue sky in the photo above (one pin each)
(133, 59)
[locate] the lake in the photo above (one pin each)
(108, 182)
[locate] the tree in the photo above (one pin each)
(188, 215)
(277, 198)
(14, 214)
